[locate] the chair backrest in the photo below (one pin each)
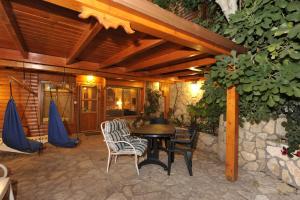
(111, 132)
(123, 126)
(194, 138)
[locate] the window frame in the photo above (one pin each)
(138, 98)
(42, 91)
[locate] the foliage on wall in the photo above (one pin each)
(209, 12)
(152, 104)
(267, 77)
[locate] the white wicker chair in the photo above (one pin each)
(117, 144)
(5, 184)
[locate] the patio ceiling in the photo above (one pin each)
(146, 43)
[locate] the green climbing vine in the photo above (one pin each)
(268, 75)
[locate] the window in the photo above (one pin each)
(89, 99)
(121, 101)
(62, 98)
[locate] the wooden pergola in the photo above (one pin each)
(124, 39)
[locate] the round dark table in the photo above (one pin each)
(154, 132)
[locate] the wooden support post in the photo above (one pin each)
(232, 136)
(166, 96)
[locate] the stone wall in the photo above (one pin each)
(181, 95)
(260, 150)
(207, 143)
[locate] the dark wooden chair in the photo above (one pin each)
(185, 144)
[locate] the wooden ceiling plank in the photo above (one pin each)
(161, 59)
(148, 18)
(134, 49)
(83, 42)
(12, 27)
(183, 66)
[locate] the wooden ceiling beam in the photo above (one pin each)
(84, 41)
(68, 70)
(181, 73)
(192, 78)
(8, 18)
(122, 70)
(145, 17)
(183, 66)
(161, 59)
(134, 49)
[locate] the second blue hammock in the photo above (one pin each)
(57, 133)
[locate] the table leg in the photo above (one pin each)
(153, 154)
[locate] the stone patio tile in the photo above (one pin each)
(80, 174)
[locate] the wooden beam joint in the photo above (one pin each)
(84, 41)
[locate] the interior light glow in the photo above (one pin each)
(90, 78)
(119, 104)
(195, 88)
(156, 86)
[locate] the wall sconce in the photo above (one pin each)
(90, 79)
(195, 88)
(156, 86)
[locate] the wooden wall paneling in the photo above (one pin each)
(12, 26)
(30, 119)
(232, 134)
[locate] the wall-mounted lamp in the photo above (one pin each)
(195, 88)
(90, 79)
(156, 86)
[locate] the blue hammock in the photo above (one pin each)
(13, 134)
(57, 133)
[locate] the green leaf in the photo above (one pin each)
(271, 102)
(281, 3)
(294, 54)
(295, 17)
(294, 5)
(296, 91)
(247, 87)
(239, 39)
(294, 31)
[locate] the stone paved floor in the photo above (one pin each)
(79, 174)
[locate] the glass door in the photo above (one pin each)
(88, 108)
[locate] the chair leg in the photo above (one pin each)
(108, 162)
(189, 162)
(116, 157)
(169, 161)
(136, 164)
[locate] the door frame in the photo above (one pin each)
(80, 86)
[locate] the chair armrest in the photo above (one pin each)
(182, 135)
(121, 141)
(181, 141)
(5, 171)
